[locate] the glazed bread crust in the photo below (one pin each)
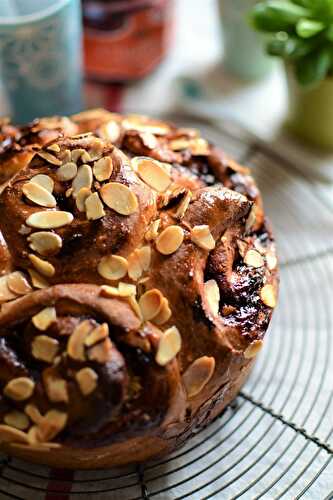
(138, 279)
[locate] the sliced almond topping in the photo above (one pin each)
(37, 279)
(152, 231)
(42, 266)
(16, 419)
(101, 352)
(169, 346)
(112, 267)
(54, 147)
(135, 306)
(5, 292)
(55, 387)
(179, 144)
(39, 195)
(268, 295)
(87, 380)
(83, 179)
(126, 289)
(43, 180)
(33, 413)
(99, 333)
(66, 156)
(199, 147)
(152, 173)
(103, 168)
(45, 242)
(18, 283)
(75, 346)
(134, 266)
(45, 318)
(85, 157)
(144, 255)
(150, 303)
(110, 131)
(9, 434)
(198, 375)
(109, 291)
(252, 350)
(183, 205)
(54, 421)
(271, 260)
(201, 236)
(253, 258)
(76, 154)
(119, 197)
(149, 140)
(164, 313)
(96, 147)
(19, 389)
(169, 240)
(45, 348)
(212, 293)
(144, 124)
(67, 172)
(81, 197)
(49, 220)
(49, 158)
(94, 207)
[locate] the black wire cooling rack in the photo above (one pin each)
(276, 440)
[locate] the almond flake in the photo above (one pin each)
(103, 168)
(145, 124)
(179, 144)
(169, 346)
(44, 181)
(49, 158)
(54, 421)
(44, 318)
(19, 389)
(152, 231)
(199, 147)
(87, 380)
(18, 283)
(135, 306)
(110, 131)
(254, 259)
(39, 195)
(252, 350)
(268, 295)
(101, 352)
(126, 289)
(109, 291)
(17, 419)
(94, 207)
(152, 173)
(271, 260)
(44, 348)
(81, 197)
(42, 266)
(212, 294)
(134, 266)
(112, 267)
(67, 172)
(198, 375)
(202, 237)
(76, 154)
(45, 242)
(75, 346)
(37, 280)
(150, 303)
(99, 333)
(149, 140)
(5, 293)
(144, 255)
(169, 240)
(83, 179)
(119, 197)
(49, 220)
(183, 205)
(33, 413)
(54, 147)
(9, 434)
(55, 387)
(164, 313)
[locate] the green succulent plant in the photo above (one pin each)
(301, 32)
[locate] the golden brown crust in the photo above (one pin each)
(138, 280)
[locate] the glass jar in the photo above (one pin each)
(124, 40)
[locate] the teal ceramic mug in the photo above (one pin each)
(244, 49)
(40, 57)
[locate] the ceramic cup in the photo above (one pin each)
(40, 57)
(244, 49)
